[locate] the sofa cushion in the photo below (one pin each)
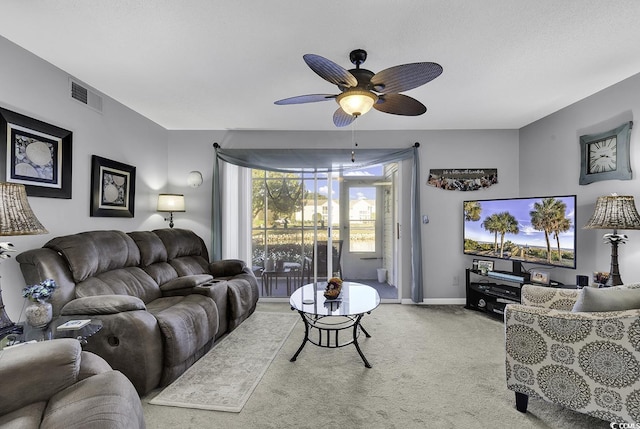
(95, 252)
(132, 281)
(607, 299)
(181, 242)
(187, 324)
(152, 249)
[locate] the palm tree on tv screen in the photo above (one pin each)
(491, 224)
(506, 223)
(549, 216)
(501, 223)
(472, 211)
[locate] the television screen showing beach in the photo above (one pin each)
(538, 230)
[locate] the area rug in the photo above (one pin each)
(225, 377)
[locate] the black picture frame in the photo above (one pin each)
(35, 154)
(113, 188)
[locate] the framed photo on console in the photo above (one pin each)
(540, 276)
(35, 154)
(483, 265)
(113, 188)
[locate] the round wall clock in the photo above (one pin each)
(605, 156)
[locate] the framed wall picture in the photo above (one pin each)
(606, 156)
(35, 154)
(113, 188)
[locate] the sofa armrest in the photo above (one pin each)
(549, 297)
(35, 372)
(102, 304)
(228, 267)
(184, 285)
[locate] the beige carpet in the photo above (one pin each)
(433, 367)
(224, 378)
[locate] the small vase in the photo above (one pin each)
(39, 314)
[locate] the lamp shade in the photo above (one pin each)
(170, 203)
(614, 212)
(356, 102)
(16, 216)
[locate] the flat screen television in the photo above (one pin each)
(537, 230)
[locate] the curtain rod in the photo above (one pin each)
(217, 146)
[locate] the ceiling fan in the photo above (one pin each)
(361, 89)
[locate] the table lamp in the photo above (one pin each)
(614, 212)
(171, 203)
(16, 218)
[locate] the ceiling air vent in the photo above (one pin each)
(83, 95)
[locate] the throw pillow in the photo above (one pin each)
(607, 299)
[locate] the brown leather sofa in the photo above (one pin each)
(161, 302)
(54, 384)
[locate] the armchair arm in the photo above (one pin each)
(35, 372)
(549, 297)
(102, 304)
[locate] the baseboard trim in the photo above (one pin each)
(437, 301)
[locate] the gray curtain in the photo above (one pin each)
(322, 160)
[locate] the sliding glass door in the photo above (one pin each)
(292, 214)
(346, 220)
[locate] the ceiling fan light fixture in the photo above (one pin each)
(356, 102)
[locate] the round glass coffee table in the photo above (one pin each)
(324, 320)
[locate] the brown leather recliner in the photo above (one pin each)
(154, 291)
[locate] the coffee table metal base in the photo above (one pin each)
(328, 332)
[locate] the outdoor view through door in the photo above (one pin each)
(355, 212)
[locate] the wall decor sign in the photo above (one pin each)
(463, 179)
(113, 188)
(35, 154)
(606, 156)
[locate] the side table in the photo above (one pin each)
(51, 331)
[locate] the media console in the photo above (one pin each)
(491, 293)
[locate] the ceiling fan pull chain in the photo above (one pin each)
(353, 141)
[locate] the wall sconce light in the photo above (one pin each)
(194, 179)
(170, 203)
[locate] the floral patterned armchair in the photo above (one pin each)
(586, 361)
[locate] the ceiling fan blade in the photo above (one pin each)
(330, 71)
(399, 104)
(310, 98)
(342, 118)
(405, 77)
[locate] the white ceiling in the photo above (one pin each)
(220, 64)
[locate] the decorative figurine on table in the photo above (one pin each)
(334, 286)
